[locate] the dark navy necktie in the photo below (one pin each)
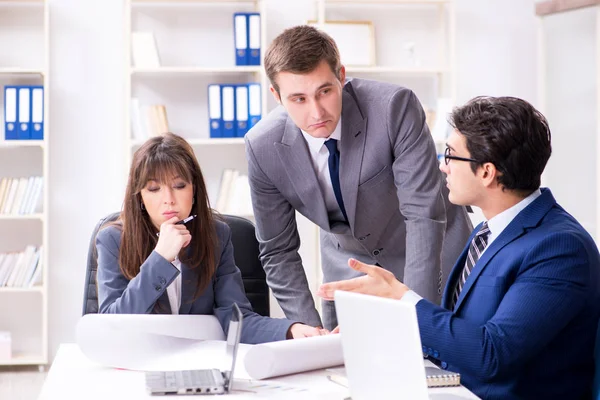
(334, 173)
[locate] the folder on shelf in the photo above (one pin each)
(240, 33)
(214, 111)
(37, 113)
(253, 38)
(254, 104)
(10, 113)
(241, 110)
(24, 111)
(228, 110)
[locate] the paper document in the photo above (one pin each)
(146, 342)
(293, 356)
(179, 342)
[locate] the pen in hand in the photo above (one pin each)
(183, 221)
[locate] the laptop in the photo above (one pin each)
(206, 381)
(382, 347)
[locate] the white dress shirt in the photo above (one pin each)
(320, 160)
(496, 225)
(174, 289)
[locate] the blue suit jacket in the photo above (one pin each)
(117, 294)
(525, 323)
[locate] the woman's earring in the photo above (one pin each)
(193, 200)
(142, 207)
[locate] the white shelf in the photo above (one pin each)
(21, 3)
(21, 217)
(191, 3)
(21, 71)
(21, 143)
(385, 2)
(35, 289)
(203, 142)
(169, 71)
(25, 359)
(396, 70)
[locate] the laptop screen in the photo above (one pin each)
(233, 340)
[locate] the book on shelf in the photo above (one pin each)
(21, 196)
(144, 50)
(234, 194)
(21, 269)
(148, 121)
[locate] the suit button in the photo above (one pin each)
(376, 252)
(157, 288)
(162, 280)
(444, 365)
(424, 349)
(436, 354)
(430, 351)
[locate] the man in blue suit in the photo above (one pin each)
(520, 310)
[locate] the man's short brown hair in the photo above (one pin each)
(300, 50)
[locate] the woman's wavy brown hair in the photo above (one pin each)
(161, 158)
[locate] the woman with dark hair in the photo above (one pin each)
(147, 263)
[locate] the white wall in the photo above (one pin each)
(87, 155)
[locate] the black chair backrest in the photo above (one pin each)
(90, 290)
(245, 253)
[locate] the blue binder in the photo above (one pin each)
(214, 111)
(228, 110)
(254, 104)
(37, 113)
(241, 110)
(240, 34)
(24, 113)
(10, 112)
(253, 38)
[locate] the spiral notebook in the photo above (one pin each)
(435, 377)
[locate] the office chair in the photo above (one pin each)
(246, 256)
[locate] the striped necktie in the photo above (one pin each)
(478, 244)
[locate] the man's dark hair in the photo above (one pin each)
(511, 134)
(300, 50)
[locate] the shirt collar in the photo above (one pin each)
(498, 223)
(315, 144)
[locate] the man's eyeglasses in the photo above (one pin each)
(448, 157)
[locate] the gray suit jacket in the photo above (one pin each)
(117, 294)
(394, 194)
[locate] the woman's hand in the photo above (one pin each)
(172, 239)
(298, 331)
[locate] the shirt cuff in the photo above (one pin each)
(411, 297)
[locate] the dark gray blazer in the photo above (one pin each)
(394, 194)
(117, 294)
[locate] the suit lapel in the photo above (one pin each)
(528, 218)
(352, 147)
(296, 161)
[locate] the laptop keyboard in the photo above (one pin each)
(178, 380)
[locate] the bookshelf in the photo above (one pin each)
(24, 38)
(430, 72)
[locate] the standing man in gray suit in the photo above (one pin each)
(358, 160)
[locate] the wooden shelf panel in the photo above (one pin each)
(171, 71)
(21, 143)
(25, 359)
(204, 142)
(396, 70)
(35, 289)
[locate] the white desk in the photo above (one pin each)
(74, 376)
